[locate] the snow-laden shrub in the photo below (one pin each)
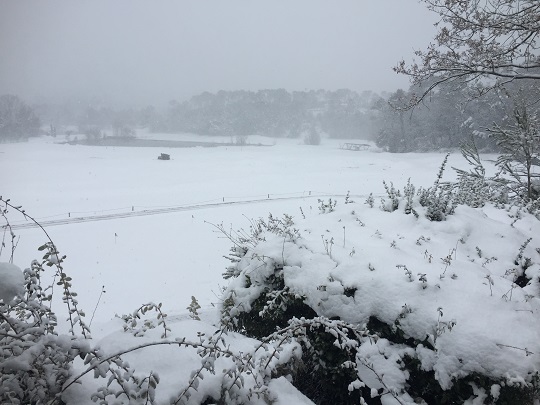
(394, 197)
(241, 140)
(438, 199)
(36, 361)
(435, 312)
(312, 137)
(39, 365)
(472, 188)
(515, 185)
(325, 207)
(520, 152)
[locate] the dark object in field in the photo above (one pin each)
(164, 156)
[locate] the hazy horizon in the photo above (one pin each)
(137, 52)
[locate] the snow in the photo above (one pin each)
(12, 282)
(174, 365)
(169, 257)
(479, 342)
(54, 181)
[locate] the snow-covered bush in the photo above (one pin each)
(439, 198)
(473, 188)
(241, 140)
(433, 311)
(312, 137)
(39, 365)
(513, 186)
(35, 361)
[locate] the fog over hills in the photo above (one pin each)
(138, 53)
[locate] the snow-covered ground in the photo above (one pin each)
(167, 257)
(170, 257)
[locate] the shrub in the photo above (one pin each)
(18, 121)
(359, 362)
(35, 360)
(37, 363)
(313, 137)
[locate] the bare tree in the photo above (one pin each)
(486, 43)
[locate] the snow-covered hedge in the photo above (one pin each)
(448, 310)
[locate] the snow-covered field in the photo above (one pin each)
(170, 257)
(167, 257)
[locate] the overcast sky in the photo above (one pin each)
(144, 52)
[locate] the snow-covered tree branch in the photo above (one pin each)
(483, 42)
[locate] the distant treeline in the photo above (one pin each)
(449, 117)
(276, 113)
(453, 114)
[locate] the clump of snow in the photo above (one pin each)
(11, 282)
(286, 393)
(495, 391)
